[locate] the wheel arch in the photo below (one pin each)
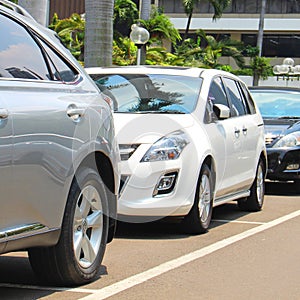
(209, 161)
(102, 164)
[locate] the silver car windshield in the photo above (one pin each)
(141, 93)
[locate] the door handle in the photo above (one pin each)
(75, 113)
(237, 132)
(245, 130)
(3, 113)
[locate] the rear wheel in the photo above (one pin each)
(77, 257)
(199, 217)
(257, 191)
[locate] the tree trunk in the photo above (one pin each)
(98, 33)
(39, 9)
(145, 10)
(188, 25)
(260, 36)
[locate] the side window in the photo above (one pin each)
(217, 92)
(60, 70)
(248, 99)
(216, 95)
(238, 105)
(20, 56)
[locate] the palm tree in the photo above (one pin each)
(39, 9)
(208, 56)
(98, 33)
(218, 6)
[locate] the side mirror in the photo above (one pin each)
(222, 111)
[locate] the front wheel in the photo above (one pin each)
(257, 191)
(77, 257)
(198, 219)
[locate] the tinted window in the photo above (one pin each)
(217, 92)
(248, 99)
(60, 70)
(216, 95)
(235, 97)
(20, 56)
(155, 93)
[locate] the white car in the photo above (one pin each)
(190, 139)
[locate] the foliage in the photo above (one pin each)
(71, 33)
(218, 6)
(208, 55)
(125, 14)
(124, 52)
(160, 27)
(262, 67)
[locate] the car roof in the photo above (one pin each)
(163, 70)
(274, 88)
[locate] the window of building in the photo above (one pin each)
(276, 45)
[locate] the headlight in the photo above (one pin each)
(290, 140)
(167, 148)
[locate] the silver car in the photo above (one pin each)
(58, 158)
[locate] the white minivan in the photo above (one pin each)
(190, 139)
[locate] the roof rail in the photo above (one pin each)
(16, 8)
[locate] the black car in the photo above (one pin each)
(280, 108)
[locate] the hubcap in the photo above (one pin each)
(204, 198)
(87, 226)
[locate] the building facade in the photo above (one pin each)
(240, 21)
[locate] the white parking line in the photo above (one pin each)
(240, 222)
(98, 294)
(175, 263)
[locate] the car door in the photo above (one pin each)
(6, 186)
(247, 132)
(225, 141)
(48, 126)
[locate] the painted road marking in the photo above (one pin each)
(120, 286)
(134, 280)
(240, 222)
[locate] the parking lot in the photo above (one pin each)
(243, 256)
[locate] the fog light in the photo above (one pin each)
(292, 167)
(165, 184)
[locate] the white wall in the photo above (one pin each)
(272, 81)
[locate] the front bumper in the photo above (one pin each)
(283, 163)
(140, 194)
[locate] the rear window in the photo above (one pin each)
(132, 93)
(277, 104)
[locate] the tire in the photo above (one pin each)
(257, 191)
(77, 257)
(296, 185)
(198, 219)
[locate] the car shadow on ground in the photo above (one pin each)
(171, 228)
(282, 188)
(15, 270)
